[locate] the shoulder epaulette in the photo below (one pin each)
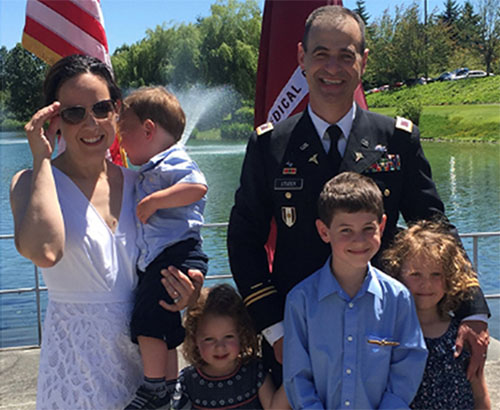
(262, 129)
(404, 124)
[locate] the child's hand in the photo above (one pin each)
(146, 208)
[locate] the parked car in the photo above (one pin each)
(477, 74)
(459, 74)
(444, 76)
(414, 81)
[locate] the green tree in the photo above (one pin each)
(230, 45)
(451, 12)
(468, 26)
(440, 46)
(489, 31)
(186, 57)
(409, 44)
(3, 86)
(360, 9)
(147, 62)
(24, 75)
(381, 59)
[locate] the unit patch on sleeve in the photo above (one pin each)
(261, 129)
(404, 124)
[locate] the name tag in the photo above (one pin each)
(289, 184)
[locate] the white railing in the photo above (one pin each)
(38, 289)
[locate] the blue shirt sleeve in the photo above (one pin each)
(408, 358)
(298, 377)
(180, 168)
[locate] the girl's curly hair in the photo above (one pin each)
(220, 300)
(432, 241)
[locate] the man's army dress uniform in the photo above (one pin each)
(284, 170)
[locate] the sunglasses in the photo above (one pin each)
(76, 114)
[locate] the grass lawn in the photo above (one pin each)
(474, 122)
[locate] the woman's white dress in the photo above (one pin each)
(87, 360)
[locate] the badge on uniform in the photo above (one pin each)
(314, 159)
(358, 156)
(288, 215)
(289, 171)
(389, 162)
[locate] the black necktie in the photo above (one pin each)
(334, 132)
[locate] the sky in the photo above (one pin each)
(126, 21)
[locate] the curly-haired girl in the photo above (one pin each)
(221, 346)
(434, 267)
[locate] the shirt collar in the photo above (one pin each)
(153, 161)
(328, 284)
(345, 122)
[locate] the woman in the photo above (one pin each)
(74, 218)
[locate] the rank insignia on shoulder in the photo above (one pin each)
(261, 129)
(404, 124)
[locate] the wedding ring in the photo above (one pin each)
(176, 299)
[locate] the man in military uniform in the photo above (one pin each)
(286, 166)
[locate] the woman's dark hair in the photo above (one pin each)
(73, 65)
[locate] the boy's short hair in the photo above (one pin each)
(349, 192)
(160, 106)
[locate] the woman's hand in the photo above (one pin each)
(42, 141)
(183, 290)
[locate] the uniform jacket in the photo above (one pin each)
(283, 173)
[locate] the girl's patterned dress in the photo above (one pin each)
(445, 385)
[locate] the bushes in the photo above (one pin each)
(410, 109)
(235, 131)
(244, 115)
(10, 124)
(467, 91)
(240, 126)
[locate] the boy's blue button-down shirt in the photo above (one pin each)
(362, 353)
(168, 226)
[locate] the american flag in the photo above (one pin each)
(58, 28)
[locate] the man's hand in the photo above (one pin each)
(278, 350)
(473, 333)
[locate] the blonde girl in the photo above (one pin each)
(434, 267)
(221, 346)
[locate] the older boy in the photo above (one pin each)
(170, 193)
(352, 336)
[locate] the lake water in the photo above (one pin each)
(467, 177)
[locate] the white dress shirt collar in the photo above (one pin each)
(345, 125)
